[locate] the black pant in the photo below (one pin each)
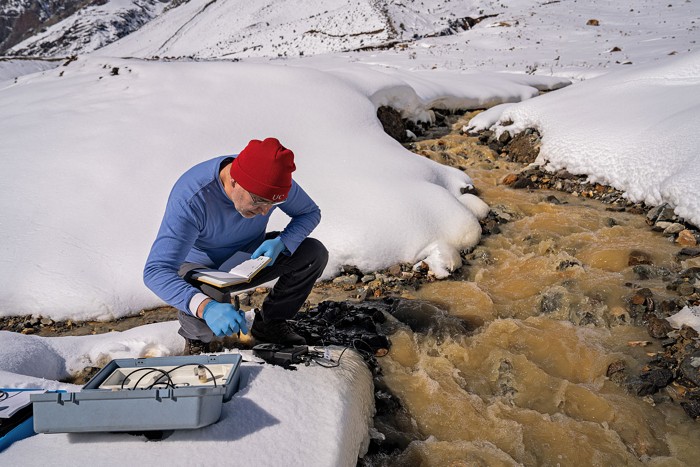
(297, 274)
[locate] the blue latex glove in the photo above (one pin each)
(224, 319)
(270, 248)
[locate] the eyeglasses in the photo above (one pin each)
(258, 201)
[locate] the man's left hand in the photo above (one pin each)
(270, 248)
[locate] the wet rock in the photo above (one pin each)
(349, 269)
(367, 278)
(615, 367)
(345, 324)
(684, 289)
(506, 381)
(523, 182)
(687, 333)
(669, 307)
(662, 212)
(673, 229)
(692, 274)
(509, 179)
(424, 317)
(690, 367)
(647, 271)
(658, 327)
(46, 322)
(504, 138)
(638, 257)
(660, 226)
(658, 377)
(592, 22)
(566, 264)
(692, 408)
(617, 372)
(395, 270)
(641, 296)
(392, 123)
(485, 136)
(346, 280)
(620, 315)
(688, 253)
(551, 301)
(524, 147)
(640, 387)
(686, 238)
(552, 199)
(469, 189)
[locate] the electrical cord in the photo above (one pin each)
(3, 395)
(365, 354)
(169, 383)
(213, 378)
(149, 371)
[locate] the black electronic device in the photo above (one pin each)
(277, 354)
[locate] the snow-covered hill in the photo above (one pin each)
(20, 19)
(219, 29)
(569, 38)
(92, 25)
(227, 28)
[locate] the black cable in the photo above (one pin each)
(155, 370)
(366, 354)
(316, 360)
(168, 383)
(3, 395)
(181, 366)
(361, 351)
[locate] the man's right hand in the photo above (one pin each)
(223, 319)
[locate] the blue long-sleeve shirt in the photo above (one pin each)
(201, 225)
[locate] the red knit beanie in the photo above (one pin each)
(265, 168)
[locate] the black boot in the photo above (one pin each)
(195, 347)
(275, 332)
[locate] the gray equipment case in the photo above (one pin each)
(122, 396)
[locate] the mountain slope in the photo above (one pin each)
(94, 24)
(235, 29)
(20, 19)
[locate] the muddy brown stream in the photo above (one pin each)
(546, 299)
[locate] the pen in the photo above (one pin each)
(237, 306)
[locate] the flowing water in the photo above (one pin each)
(544, 302)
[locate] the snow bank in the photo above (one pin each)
(15, 67)
(634, 129)
(311, 416)
(91, 151)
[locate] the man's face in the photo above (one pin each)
(247, 204)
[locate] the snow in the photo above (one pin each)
(89, 157)
(11, 68)
(547, 38)
(688, 316)
(320, 415)
(633, 129)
